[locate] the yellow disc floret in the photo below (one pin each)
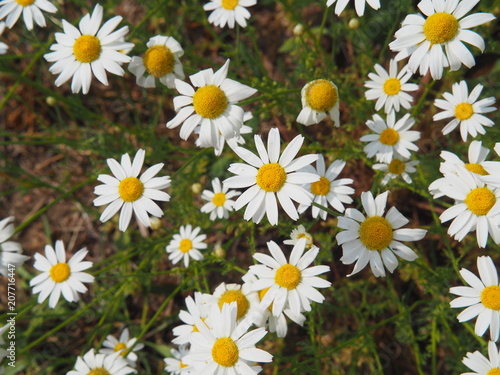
(464, 111)
(321, 187)
(396, 166)
(375, 233)
(389, 137)
(159, 61)
(99, 371)
(87, 48)
(480, 200)
(392, 86)
(185, 245)
(219, 199)
(120, 346)
(440, 28)
(229, 4)
(225, 352)
(490, 297)
(60, 272)
(130, 189)
(25, 3)
(235, 296)
(321, 95)
(271, 177)
(494, 371)
(262, 293)
(288, 276)
(210, 101)
(476, 168)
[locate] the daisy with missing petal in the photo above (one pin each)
(465, 110)
(127, 192)
(270, 177)
(3, 47)
(390, 90)
(481, 365)
(219, 200)
(59, 276)
(359, 5)
(398, 167)
(112, 345)
(391, 138)
(320, 98)
(228, 11)
(196, 309)
(30, 9)
(297, 234)
(375, 239)
(291, 284)
(101, 364)
(10, 251)
(482, 298)
(423, 39)
(175, 365)
(91, 50)
(328, 190)
(212, 106)
(187, 243)
(160, 61)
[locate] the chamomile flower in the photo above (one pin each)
(212, 106)
(10, 251)
(291, 283)
(228, 11)
(196, 309)
(160, 61)
(175, 365)
(320, 98)
(31, 10)
(129, 193)
(398, 167)
(391, 138)
(328, 190)
(219, 200)
(59, 276)
(92, 50)
(101, 364)
(390, 89)
(358, 4)
(3, 47)
(226, 347)
(465, 110)
(477, 207)
(186, 244)
(270, 177)
(375, 239)
(424, 38)
(297, 234)
(481, 365)
(482, 298)
(112, 345)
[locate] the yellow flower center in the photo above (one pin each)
(210, 101)
(389, 137)
(120, 346)
(464, 111)
(480, 200)
(396, 166)
(185, 245)
(25, 3)
(235, 296)
(225, 352)
(159, 60)
(219, 199)
(99, 371)
(271, 177)
(321, 187)
(288, 276)
(321, 95)
(60, 272)
(87, 48)
(494, 371)
(476, 168)
(490, 297)
(440, 28)
(262, 293)
(130, 189)
(392, 86)
(182, 365)
(229, 4)
(375, 233)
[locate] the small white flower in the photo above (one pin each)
(112, 345)
(101, 364)
(481, 365)
(297, 234)
(187, 243)
(398, 167)
(219, 200)
(228, 11)
(320, 98)
(359, 5)
(196, 309)
(10, 251)
(175, 365)
(30, 9)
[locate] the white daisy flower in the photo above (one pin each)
(196, 309)
(228, 11)
(160, 61)
(390, 89)
(392, 138)
(10, 251)
(175, 365)
(59, 276)
(185, 244)
(481, 365)
(30, 9)
(92, 50)
(328, 189)
(291, 283)
(226, 347)
(3, 47)
(465, 110)
(320, 98)
(270, 176)
(112, 345)
(127, 192)
(375, 239)
(212, 106)
(423, 39)
(358, 4)
(102, 364)
(398, 167)
(219, 200)
(297, 234)
(482, 298)
(477, 207)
